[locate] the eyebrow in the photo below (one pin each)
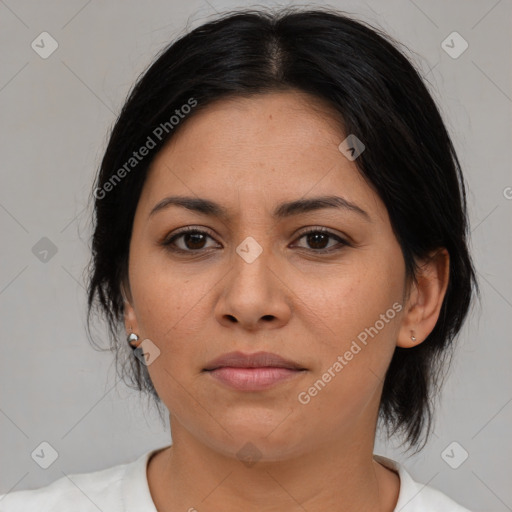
(284, 210)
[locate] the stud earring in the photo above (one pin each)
(413, 338)
(132, 339)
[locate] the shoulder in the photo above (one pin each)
(432, 499)
(418, 497)
(82, 492)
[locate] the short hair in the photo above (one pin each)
(364, 77)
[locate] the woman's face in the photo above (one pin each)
(252, 282)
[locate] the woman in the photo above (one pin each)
(281, 227)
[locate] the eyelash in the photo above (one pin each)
(168, 242)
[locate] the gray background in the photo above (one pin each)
(55, 114)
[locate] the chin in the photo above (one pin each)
(269, 440)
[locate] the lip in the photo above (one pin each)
(255, 360)
(253, 379)
(252, 372)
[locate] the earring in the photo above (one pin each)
(413, 338)
(132, 339)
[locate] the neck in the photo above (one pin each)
(337, 475)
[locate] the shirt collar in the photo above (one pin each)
(409, 489)
(136, 495)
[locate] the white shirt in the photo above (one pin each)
(124, 488)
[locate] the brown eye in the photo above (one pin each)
(191, 240)
(318, 240)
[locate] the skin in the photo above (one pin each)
(249, 155)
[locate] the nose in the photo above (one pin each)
(254, 295)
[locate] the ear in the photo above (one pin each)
(130, 319)
(425, 299)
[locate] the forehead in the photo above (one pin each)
(272, 120)
(276, 146)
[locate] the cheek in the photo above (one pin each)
(345, 301)
(351, 365)
(357, 318)
(166, 293)
(174, 310)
